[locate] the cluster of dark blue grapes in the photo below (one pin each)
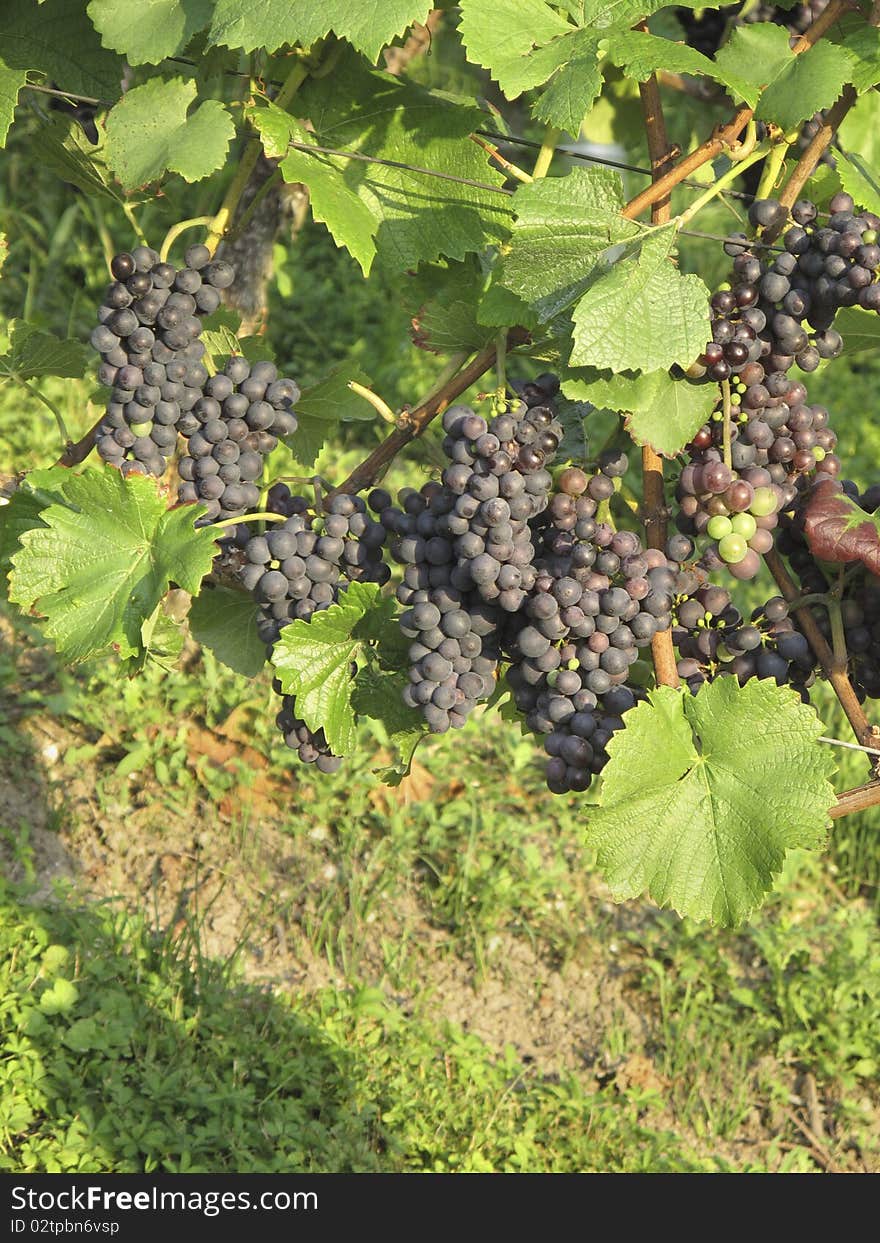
(713, 638)
(235, 422)
(311, 747)
(148, 339)
(300, 567)
(467, 549)
(598, 598)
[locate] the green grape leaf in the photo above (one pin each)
(60, 144)
(378, 695)
(502, 38)
(501, 308)
(313, 660)
(861, 43)
(704, 794)
(149, 133)
(858, 158)
(103, 558)
(859, 179)
(663, 412)
(640, 54)
(162, 640)
(368, 25)
(642, 314)
(308, 440)
(564, 226)
(409, 217)
(33, 353)
(224, 620)
(331, 400)
(442, 302)
(860, 330)
(23, 511)
(805, 85)
(146, 31)
(57, 39)
(574, 88)
(753, 56)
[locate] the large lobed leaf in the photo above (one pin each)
(57, 39)
(336, 665)
(368, 24)
(409, 217)
(642, 314)
(101, 559)
(564, 226)
(150, 132)
(704, 794)
(33, 353)
(661, 411)
(146, 31)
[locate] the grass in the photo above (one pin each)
(406, 922)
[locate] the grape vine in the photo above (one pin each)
(525, 565)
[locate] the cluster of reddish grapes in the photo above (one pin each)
(747, 463)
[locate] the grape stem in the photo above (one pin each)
(175, 231)
(725, 426)
(546, 154)
(260, 516)
(655, 512)
(717, 187)
(220, 223)
(375, 401)
(513, 170)
(858, 799)
(50, 405)
(501, 371)
(773, 169)
(865, 733)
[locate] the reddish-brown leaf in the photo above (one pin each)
(838, 530)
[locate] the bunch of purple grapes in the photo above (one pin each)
(148, 339)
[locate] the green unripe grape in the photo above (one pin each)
(818, 453)
(717, 416)
(141, 429)
(719, 526)
(763, 502)
(744, 525)
(732, 548)
(735, 399)
(869, 237)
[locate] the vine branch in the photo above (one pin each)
(412, 423)
(654, 495)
